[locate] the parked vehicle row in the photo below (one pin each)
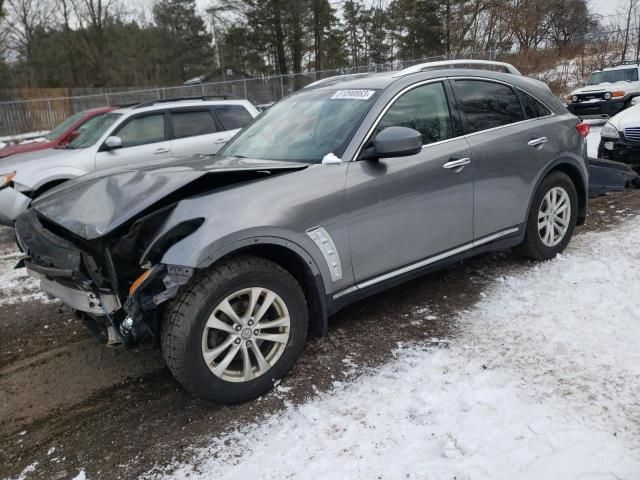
(59, 136)
(110, 138)
(342, 189)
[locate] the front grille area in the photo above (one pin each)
(583, 97)
(44, 247)
(632, 134)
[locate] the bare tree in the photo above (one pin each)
(93, 16)
(24, 19)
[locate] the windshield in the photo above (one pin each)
(304, 127)
(64, 126)
(613, 76)
(93, 129)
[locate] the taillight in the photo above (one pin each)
(583, 129)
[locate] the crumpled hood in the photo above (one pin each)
(96, 204)
(603, 87)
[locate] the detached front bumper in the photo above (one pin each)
(65, 271)
(12, 204)
(596, 108)
(620, 150)
(97, 304)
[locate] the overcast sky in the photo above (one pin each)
(607, 7)
(601, 7)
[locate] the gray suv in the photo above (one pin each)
(342, 189)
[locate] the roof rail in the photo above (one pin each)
(335, 77)
(125, 105)
(507, 67)
(183, 99)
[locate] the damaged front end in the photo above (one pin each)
(102, 280)
(98, 243)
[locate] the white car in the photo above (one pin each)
(607, 92)
(151, 131)
(620, 138)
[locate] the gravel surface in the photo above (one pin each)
(69, 404)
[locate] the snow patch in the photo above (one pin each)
(593, 140)
(543, 382)
(16, 286)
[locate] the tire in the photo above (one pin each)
(195, 324)
(537, 245)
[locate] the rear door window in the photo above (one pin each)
(532, 107)
(190, 123)
(485, 105)
(424, 109)
(232, 116)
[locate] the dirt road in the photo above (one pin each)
(68, 403)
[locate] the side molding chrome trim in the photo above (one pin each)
(329, 251)
(427, 261)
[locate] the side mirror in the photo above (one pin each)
(395, 142)
(112, 143)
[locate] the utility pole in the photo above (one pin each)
(215, 41)
(632, 5)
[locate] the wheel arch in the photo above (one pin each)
(570, 169)
(34, 180)
(301, 266)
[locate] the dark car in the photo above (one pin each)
(341, 190)
(59, 136)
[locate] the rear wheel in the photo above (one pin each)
(237, 329)
(552, 218)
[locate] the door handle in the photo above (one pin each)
(538, 142)
(161, 150)
(458, 164)
(221, 140)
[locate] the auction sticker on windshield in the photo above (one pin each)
(353, 95)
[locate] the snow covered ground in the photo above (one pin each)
(24, 137)
(593, 140)
(15, 285)
(543, 382)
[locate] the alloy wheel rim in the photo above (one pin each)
(246, 334)
(554, 216)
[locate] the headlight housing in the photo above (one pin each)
(6, 179)
(574, 98)
(609, 131)
(607, 96)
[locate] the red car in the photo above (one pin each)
(59, 136)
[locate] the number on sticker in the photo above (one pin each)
(353, 95)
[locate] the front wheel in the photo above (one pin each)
(552, 218)
(235, 330)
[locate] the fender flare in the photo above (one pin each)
(314, 279)
(51, 175)
(573, 165)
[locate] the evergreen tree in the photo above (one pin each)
(185, 42)
(417, 28)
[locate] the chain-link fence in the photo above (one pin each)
(19, 117)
